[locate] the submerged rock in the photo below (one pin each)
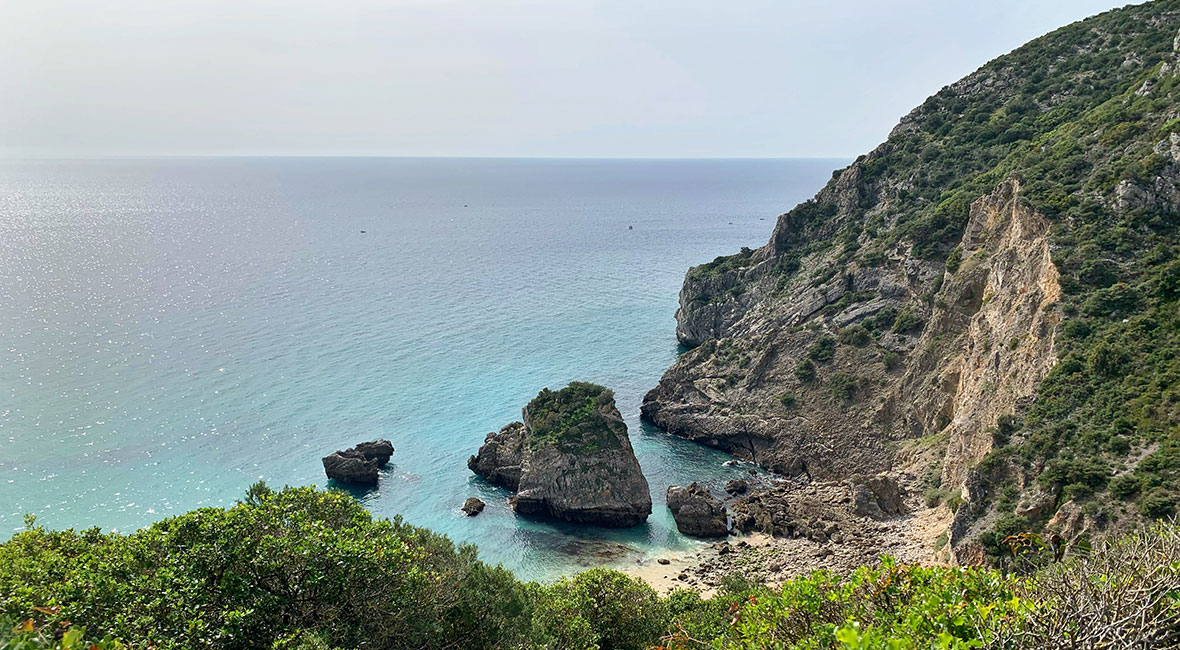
(358, 464)
(697, 512)
(473, 506)
(569, 460)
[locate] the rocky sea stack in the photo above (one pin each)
(570, 459)
(358, 464)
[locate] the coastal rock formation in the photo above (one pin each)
(499, 459)
(358, 464)
(697, 512)
(570, 459)
(736, 486)
(959, 306)
(473, 506)
(378, 450)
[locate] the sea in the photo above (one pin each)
(174, 329)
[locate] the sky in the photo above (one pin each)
(535, 78)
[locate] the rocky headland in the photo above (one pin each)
(570, 459)
(945, 345)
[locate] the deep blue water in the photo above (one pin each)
(173, 330)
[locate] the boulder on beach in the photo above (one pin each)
(359, 464)
(570, 460)
(736, 486)
(876, 496)
(697, 512)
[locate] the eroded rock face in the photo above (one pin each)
(877, 496)
(379, 450)
(697, 512)
(973, 353)
(991, 337)
(500, 457)
(358, 464)
(570, 459)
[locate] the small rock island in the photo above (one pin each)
(570, 460)
(358, 464)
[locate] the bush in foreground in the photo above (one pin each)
(303, 569)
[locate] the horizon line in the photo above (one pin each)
(149, 156)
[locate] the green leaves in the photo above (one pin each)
(309, 570)
(245, 576)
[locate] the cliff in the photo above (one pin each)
(984, 304)
(570, 459)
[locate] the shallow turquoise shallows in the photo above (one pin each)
(173, 330)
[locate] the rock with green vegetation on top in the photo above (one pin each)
(570, 460)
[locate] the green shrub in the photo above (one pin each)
(1112, 302)
(1109, 360)
(883, 320)
(599, 608)
(246, 576)
(805, 371)
(907, 322)
(855, 335)
(823, 349)
(1090, 472)
(1124, 487)
(788, 400)
(843, 386)
(26, 634)
(954, 259)
(1078, 328)
(197, 587)
(1158, 503)
(572, 416)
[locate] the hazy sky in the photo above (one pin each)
(489, 78)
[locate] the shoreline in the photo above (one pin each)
(910, 538)
(684, 570)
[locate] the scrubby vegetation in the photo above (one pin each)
(302, 569)
(1104, 431)
(572, 415)
(1085, 119)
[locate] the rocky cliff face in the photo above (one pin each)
(500, 458)
(570, 459)
(909, 317)
(990, 339)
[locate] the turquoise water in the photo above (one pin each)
(173, 330)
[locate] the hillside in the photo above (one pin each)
(984, 305)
